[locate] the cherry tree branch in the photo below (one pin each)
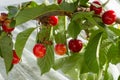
(66, 13)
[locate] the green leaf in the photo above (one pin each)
(113, 54)
(70, 65)
(108, 76)
(82, 17)
(73, 29)
(0, 53)
(12, 11)
(119, 78)
(83, 2)
(27, 14)
(32, 4)
(105, 45)
(88, 76)
(67, 63)
(6, 46)
(60, 38)
(111, 35)
(12, 24)
(115, 30)
(92, 50)
(21, 40)
(60, 30)
(43, 34)
(29, 5)
(68, 6)
(47, 61)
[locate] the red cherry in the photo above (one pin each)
(6, 26)
(60, 49)
(94, 8)
(3, 16)
(75, 45)
(16, 59)
(109, 17)
(59, 1)
(39, 50)
(53, 20)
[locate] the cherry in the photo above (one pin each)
(59, 1)
(75, 45)
(53, 20)
(3, 16)
(96, 9)
(39, 50)
(60, 49)
(16, 59)
(109, 17)
(6, 26)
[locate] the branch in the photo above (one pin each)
(43, 18)
(118, 20)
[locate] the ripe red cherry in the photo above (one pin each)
(3, 16)
(6, 26)
(109, 17)
(16, 59)
(53, 20)
(60, 49)
(75, 45)
(39, 50)
(96, 9)
(59, 1)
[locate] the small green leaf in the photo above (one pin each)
(21, 40)
(12, 11)
(73, 29)
(47, 61)
(92, 51)
(6, 49)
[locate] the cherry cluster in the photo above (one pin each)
(108, 17)
(75, 45)
(5, 23)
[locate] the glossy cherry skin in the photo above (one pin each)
(6, 26)
(39, 50)
(59, 1)
(53, 20)
(16, 59)
(109, 17)
(96, 9)
(3, 17)
(60, 49)
(75, 45)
